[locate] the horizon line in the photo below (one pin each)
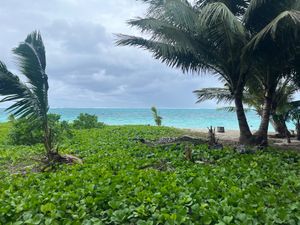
(119, 108)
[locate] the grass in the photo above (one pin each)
(124, 182)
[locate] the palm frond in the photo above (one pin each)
(15, 90)
(218, 94)
(232, 109)
(29, 100)
(221, 26)
(177, 12)
(32, 62)
(237, 7)
(10, 84)
(226, 36)
(281, 35)
(172, 55)
(261, 12)
(215, 13)
(162, 30)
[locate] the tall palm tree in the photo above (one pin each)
(213, 38)
(274, 46)
(30, 98)
(197, 39)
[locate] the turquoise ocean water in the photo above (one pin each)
(182, 118)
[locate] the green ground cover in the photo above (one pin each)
(124, 182)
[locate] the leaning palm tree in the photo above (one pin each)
(197, 39)
(30, 99)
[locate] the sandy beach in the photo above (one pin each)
(233, 136)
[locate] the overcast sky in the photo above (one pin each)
(84, 66)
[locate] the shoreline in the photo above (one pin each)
(232, 136)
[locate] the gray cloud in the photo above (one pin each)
(85, 68)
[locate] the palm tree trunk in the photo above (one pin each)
(280, 127)
(245, 133)
(47, 139)
(298, 130)
(261, 135)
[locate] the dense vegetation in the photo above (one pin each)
(125, 182)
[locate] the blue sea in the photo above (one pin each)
(181, 118)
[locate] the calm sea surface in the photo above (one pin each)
(182, 118)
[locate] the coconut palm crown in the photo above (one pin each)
(30, 98)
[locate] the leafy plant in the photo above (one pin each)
(157, 118)
(27, 132)
(87, 121)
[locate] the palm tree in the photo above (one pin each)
(213, 38)
(157, 118)
(282, 101)
(273, 49)
(197, 39)
(30, 98)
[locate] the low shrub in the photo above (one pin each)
(87, 121)
(29, 132)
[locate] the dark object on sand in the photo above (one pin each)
(220, 129)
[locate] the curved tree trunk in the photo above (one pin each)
(298, 130)
(280, 127)
(261, 136)
(245, 133)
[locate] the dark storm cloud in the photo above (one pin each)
(85, 67)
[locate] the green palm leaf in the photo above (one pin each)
(261, 12)
(218, 94)
(237, 7)
(284, 30)
(172, 55)
(32, 62)
(14, 90)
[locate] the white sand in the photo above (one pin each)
(233, 135)
(229, 135)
